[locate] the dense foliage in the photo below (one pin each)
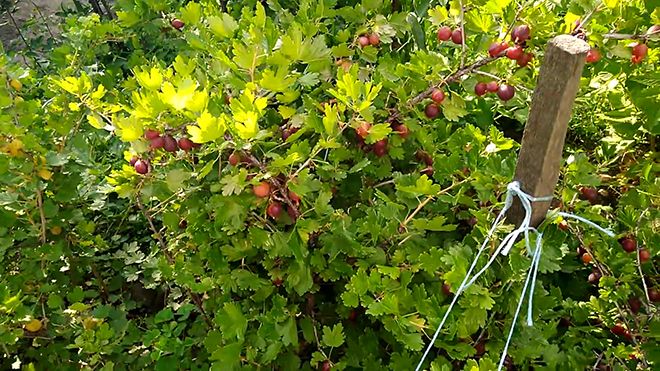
(273, 185)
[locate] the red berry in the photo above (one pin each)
(593, 278)
(133, 160)
(492, 86)
(294, 197)
(636, 60)
(170, 144)
(363, 41)
(640, 50)
(261, 190)
(593, 56)
(363, 130)
(432, 110)
(157, 143)
(628, 243)
(186, 144)
(380, 148)
(635, 304)
(514, 52)
(286, 133)
(428, 171)
(278, 281)
(183, 224)
(438, 96)
(423, 156)
(446, 289)
(525, 59)
(374, 39)
(326, 366)
(644, 256)
(581, 251)
(654, 294)
(444, 33)
(480, 89)
(563, 225)
(274, 210)
(141, 167)
(457, 36)
(619, 329)
(402, 130)
(496, 49)
(293, 213)
(589, 194)
(520, 33)
(177, 23)
(234, 159)
(151, 134)
(586, 258)
(506, 92)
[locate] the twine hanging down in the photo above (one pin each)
(513, 190)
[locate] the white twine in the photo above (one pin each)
(513, 190)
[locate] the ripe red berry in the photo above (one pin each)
(496, 48)
(141, 167)
(628, 244)
(363, 130)
(133, 160)
(593, 278)
(457, 36)
(644, 256)
(525, 59)
(432, 110)
(402, 130)
(635, 304)
(234, 159)
(514, 52)
(640, 50)
(444, 33)
(506, 92)
(563, 225)
(590, 194)
(581, 251)
(374, 39)
(654, 294)
(423, 156)
(278, 281)
(618, 329)
(480, 89)
(183, 224)
(186, 144)
(261, 190)
(492, 86)
(446, 289)
(363, 41)
(326, 366)
(593, 56)
(177, 23)
(428, 171)
(636, 60)
(521, 33)
(151, 134)
(294, 197)
(170, 144)
(274, 210)
(586, 258)
(438, 96)
(380, 148)
(157, 143)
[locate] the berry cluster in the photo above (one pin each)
(519, 37)
(369, 39)
(380, 147)
(445, 33)
(275, 208)
(158, 141)
(505, 91)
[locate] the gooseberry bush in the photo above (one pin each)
(303, 184)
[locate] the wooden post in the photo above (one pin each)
(543, 140)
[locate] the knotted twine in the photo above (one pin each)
(513, 190)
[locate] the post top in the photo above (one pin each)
(570, 44)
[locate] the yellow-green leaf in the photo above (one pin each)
(208, 129)
(222, 26)
(150, 79)
(129, 128)
(438, 15)
(179, 97)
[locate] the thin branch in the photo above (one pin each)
(621, 36)
(463, 49)
(42, 215)
(428, 199)
(41, 15)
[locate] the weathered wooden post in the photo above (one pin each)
(540, 156)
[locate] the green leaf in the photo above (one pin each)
(378, 132)
(232, 322)
(276, 82)
(164, 315)
(453, 107)
(423, 186)
(333, 337)
(437, 15)
(436, 224)
(208, 129)
(129, 128)
(222, 26)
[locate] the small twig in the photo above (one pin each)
(515, 20)
(621, 36)
(42, 215)
(41, 15)
(463, 49)
(587, 18)
(428, 199)
(27, 45)
(391, 181)
(639, 268)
